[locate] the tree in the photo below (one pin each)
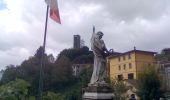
(61, 75)
(10, 74)
(29, 71)
(119, 87)
(53, 96)
(74, 53)
(14, 90)
(148, 83)
(84, 59)
(57, 74)
(163, 56)
(85, 76)
(39, 52)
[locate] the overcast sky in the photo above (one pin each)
(125, 24)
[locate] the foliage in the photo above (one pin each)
(52, 96)
(9, 74)
(84, 59)
(39, 52)
(163, 56)
(14, 90)
(74, 91)
(31, 98)
(149, 83)
(61, 74)
(86, 76)
(120, 88)
(57, 74)
(74, 55)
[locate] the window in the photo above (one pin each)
(120, 77)
(130, 66)
(119, 59)
(124, 66)
(124, 57)
(130, 76)
(129, 56)
(119, 67)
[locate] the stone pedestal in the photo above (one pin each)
(98, 92)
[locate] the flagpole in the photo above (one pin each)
(40, 89)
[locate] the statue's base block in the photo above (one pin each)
(98, 96)
(98, 92)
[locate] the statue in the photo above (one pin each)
(98, 89)
(100, 52)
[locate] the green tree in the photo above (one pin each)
(14, 90)
(120, 88)
(163, 56)
(84, 59)
(52, 96)
(74, 53)
(57, 75)
(39, 52)
(149, 83)
(29, 71)
(85, 76)
(11, 73)
(61, 75)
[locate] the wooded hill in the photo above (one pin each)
(58, 80)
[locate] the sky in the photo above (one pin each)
(144, 24)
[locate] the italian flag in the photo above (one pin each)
(54, 11)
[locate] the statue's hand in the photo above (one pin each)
(108, 53)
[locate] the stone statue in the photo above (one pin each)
(99, 49)
(98, 89)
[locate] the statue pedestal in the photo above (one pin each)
(98, 92)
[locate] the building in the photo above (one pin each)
(164, 74)
(78, 68)
(127, 65)
(1, 74)
(76, 41)
(166, 51)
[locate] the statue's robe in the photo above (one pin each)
(99, 69)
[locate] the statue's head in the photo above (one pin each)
(100, 34)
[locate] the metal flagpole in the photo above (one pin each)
(40, 89)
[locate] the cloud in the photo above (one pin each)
(130, 9)
(13, 56)
(125, 24)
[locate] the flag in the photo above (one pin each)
(54, 11)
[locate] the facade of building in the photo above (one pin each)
(127, 65)
(166, 51)
(1, 74)
(76, 41)
(165, 74)
(78, 68)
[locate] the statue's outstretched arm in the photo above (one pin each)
(105, 49)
